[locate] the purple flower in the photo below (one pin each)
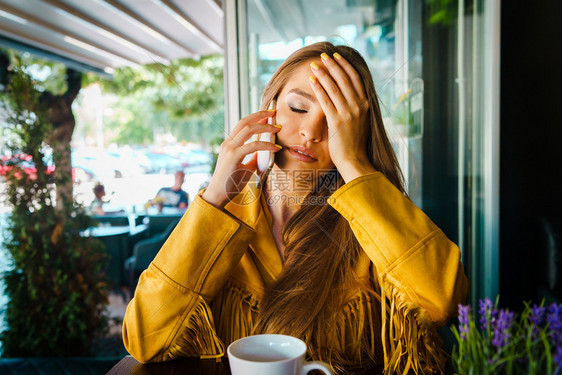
(501, 330)
(536, 317)
(554, 319)
(488, 313)
(464, 313)
(554, 312)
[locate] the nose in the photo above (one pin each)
(314, 128)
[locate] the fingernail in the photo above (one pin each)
(314, 66)
(278, 145)
(271, 110)
(277, 126)
(313, 79)
(325, 56)
(337, 56)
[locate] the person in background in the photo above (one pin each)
(172, 196)
(96, 207)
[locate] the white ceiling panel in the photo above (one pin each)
(111, 33)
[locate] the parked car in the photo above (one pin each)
(196, 157)
(163, 163)
(81, 174)
(103, 164)
(138, 160)
(100, 166)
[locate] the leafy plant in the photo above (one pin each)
(56, 288)
(502, 342)
(184, 98)
(401, 111)
(215, 145)
(442, 12)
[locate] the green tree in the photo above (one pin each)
(185, 98)
(57, 291)
(56, 90)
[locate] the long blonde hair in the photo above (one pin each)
(321, 249)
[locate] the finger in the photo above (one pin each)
(340, 76)
(253, 118)
(250, 147)
(248, 131)
(330, 87)
(352, 73)
(323, 99)
(252, 164)
(233, 155)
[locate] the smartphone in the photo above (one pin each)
(266, 158)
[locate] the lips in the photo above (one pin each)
(302, 153)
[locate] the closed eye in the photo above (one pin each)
(298, 110)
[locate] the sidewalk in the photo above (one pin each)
(116, 307)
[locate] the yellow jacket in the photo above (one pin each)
(227, 258)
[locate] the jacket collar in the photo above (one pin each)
(246, 205)
(251, 208)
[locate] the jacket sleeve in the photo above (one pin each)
(413, 257)
(169, 315)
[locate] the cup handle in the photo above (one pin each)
(316, 365)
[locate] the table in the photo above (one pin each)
(184, 366)
(118, 241)
(107, 231)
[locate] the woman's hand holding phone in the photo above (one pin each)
(231, 175)
(266, 158)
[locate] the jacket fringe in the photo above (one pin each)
(409, 345)
(353, 343)
(235, 310)
(199, 338)
(410, 341)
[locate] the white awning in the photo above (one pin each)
(106, 34)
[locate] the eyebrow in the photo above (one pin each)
(302, 93)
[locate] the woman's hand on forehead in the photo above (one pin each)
(341, 94)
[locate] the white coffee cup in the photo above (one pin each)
(271, 355)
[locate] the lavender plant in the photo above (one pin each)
(505, 343)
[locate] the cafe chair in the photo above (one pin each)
(144, 252)
(159, 223)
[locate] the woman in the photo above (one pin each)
(332, 252)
